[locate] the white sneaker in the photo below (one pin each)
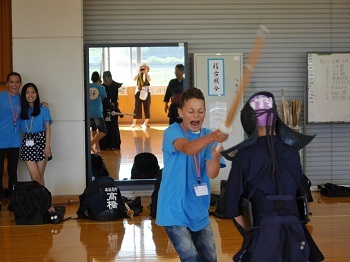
(143, 126)
(132, 125)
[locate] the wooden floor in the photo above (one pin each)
(134, 141)
(140, 239)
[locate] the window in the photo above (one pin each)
(123, 62)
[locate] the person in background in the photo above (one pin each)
(190, 161)
(35, 125)
(174, 92)
(97, 93)
(266, 173)
(142, 95)
(10, 138)
(110, 106)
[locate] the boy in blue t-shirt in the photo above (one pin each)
(190, 161)
(97, 93)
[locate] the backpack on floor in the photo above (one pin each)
(30, 203)
(145, 166)
(102, 200)
(154, 197)
(98, 166)
(220, 211)
(332, 190)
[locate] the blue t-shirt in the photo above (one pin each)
(10, 134)
(178, 204)
(36, 123)
(97, 93)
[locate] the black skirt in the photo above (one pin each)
(33, 145)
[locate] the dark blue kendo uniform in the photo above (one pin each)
(174, 91)
(279, 234)
(112, 139)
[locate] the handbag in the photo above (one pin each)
(143, 94)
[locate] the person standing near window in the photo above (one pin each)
(174, 92)
(142, 95)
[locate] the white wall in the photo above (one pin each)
(48, 51)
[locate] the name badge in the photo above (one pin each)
(201, 190)
(29, 142)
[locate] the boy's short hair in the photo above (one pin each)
(95, 77)
(191, 93)
(180, 67)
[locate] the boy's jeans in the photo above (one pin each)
(193, 246)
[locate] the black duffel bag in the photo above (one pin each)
(30, 202)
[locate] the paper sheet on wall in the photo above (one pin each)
(122, 91)
(158, 90)
(217, 112)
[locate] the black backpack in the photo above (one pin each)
(98, 166)
(30, 203)
(102, 200)
(145, 166)
(154, 197)
(332, 190)
(220, 211)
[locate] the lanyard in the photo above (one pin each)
(31, 124)
(15, 116)
(197, 165)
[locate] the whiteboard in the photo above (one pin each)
(328, 88)
(218, 76)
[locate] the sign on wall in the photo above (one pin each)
(216, 77)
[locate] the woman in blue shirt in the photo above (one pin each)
(10, 139)
(35, 125)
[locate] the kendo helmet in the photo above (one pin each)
(261, 110)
